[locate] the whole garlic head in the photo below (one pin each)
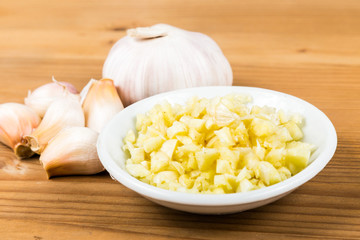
(162, 58)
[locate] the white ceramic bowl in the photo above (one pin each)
(318, 130)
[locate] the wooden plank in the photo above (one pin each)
(310, 49)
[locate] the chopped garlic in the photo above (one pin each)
(216, 146)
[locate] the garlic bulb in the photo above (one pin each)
(41, 98)
(63, 112)
(161, 58)
(17, 120)
(72, 152)
(100, 102)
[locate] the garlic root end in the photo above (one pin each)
(33, 143)
(23, 150)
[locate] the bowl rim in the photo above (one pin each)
(196, 199)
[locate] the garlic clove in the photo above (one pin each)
(72, 152)
(63, 112)
(16, 121)
(86, 89)
(41, 98)
(100, 102)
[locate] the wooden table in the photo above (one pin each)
(310, 49)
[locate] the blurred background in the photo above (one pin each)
(290, 45)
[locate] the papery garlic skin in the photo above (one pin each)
(41, 98)
(72, 152)
(100, 102)
(163, 58)
(16, 121)
(63, 112)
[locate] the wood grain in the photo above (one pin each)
(310, 49)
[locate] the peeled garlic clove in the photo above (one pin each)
(161, 58)
(72, 152)
(100, 102)
(41, 98)
(16, 121)
(63, 112)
